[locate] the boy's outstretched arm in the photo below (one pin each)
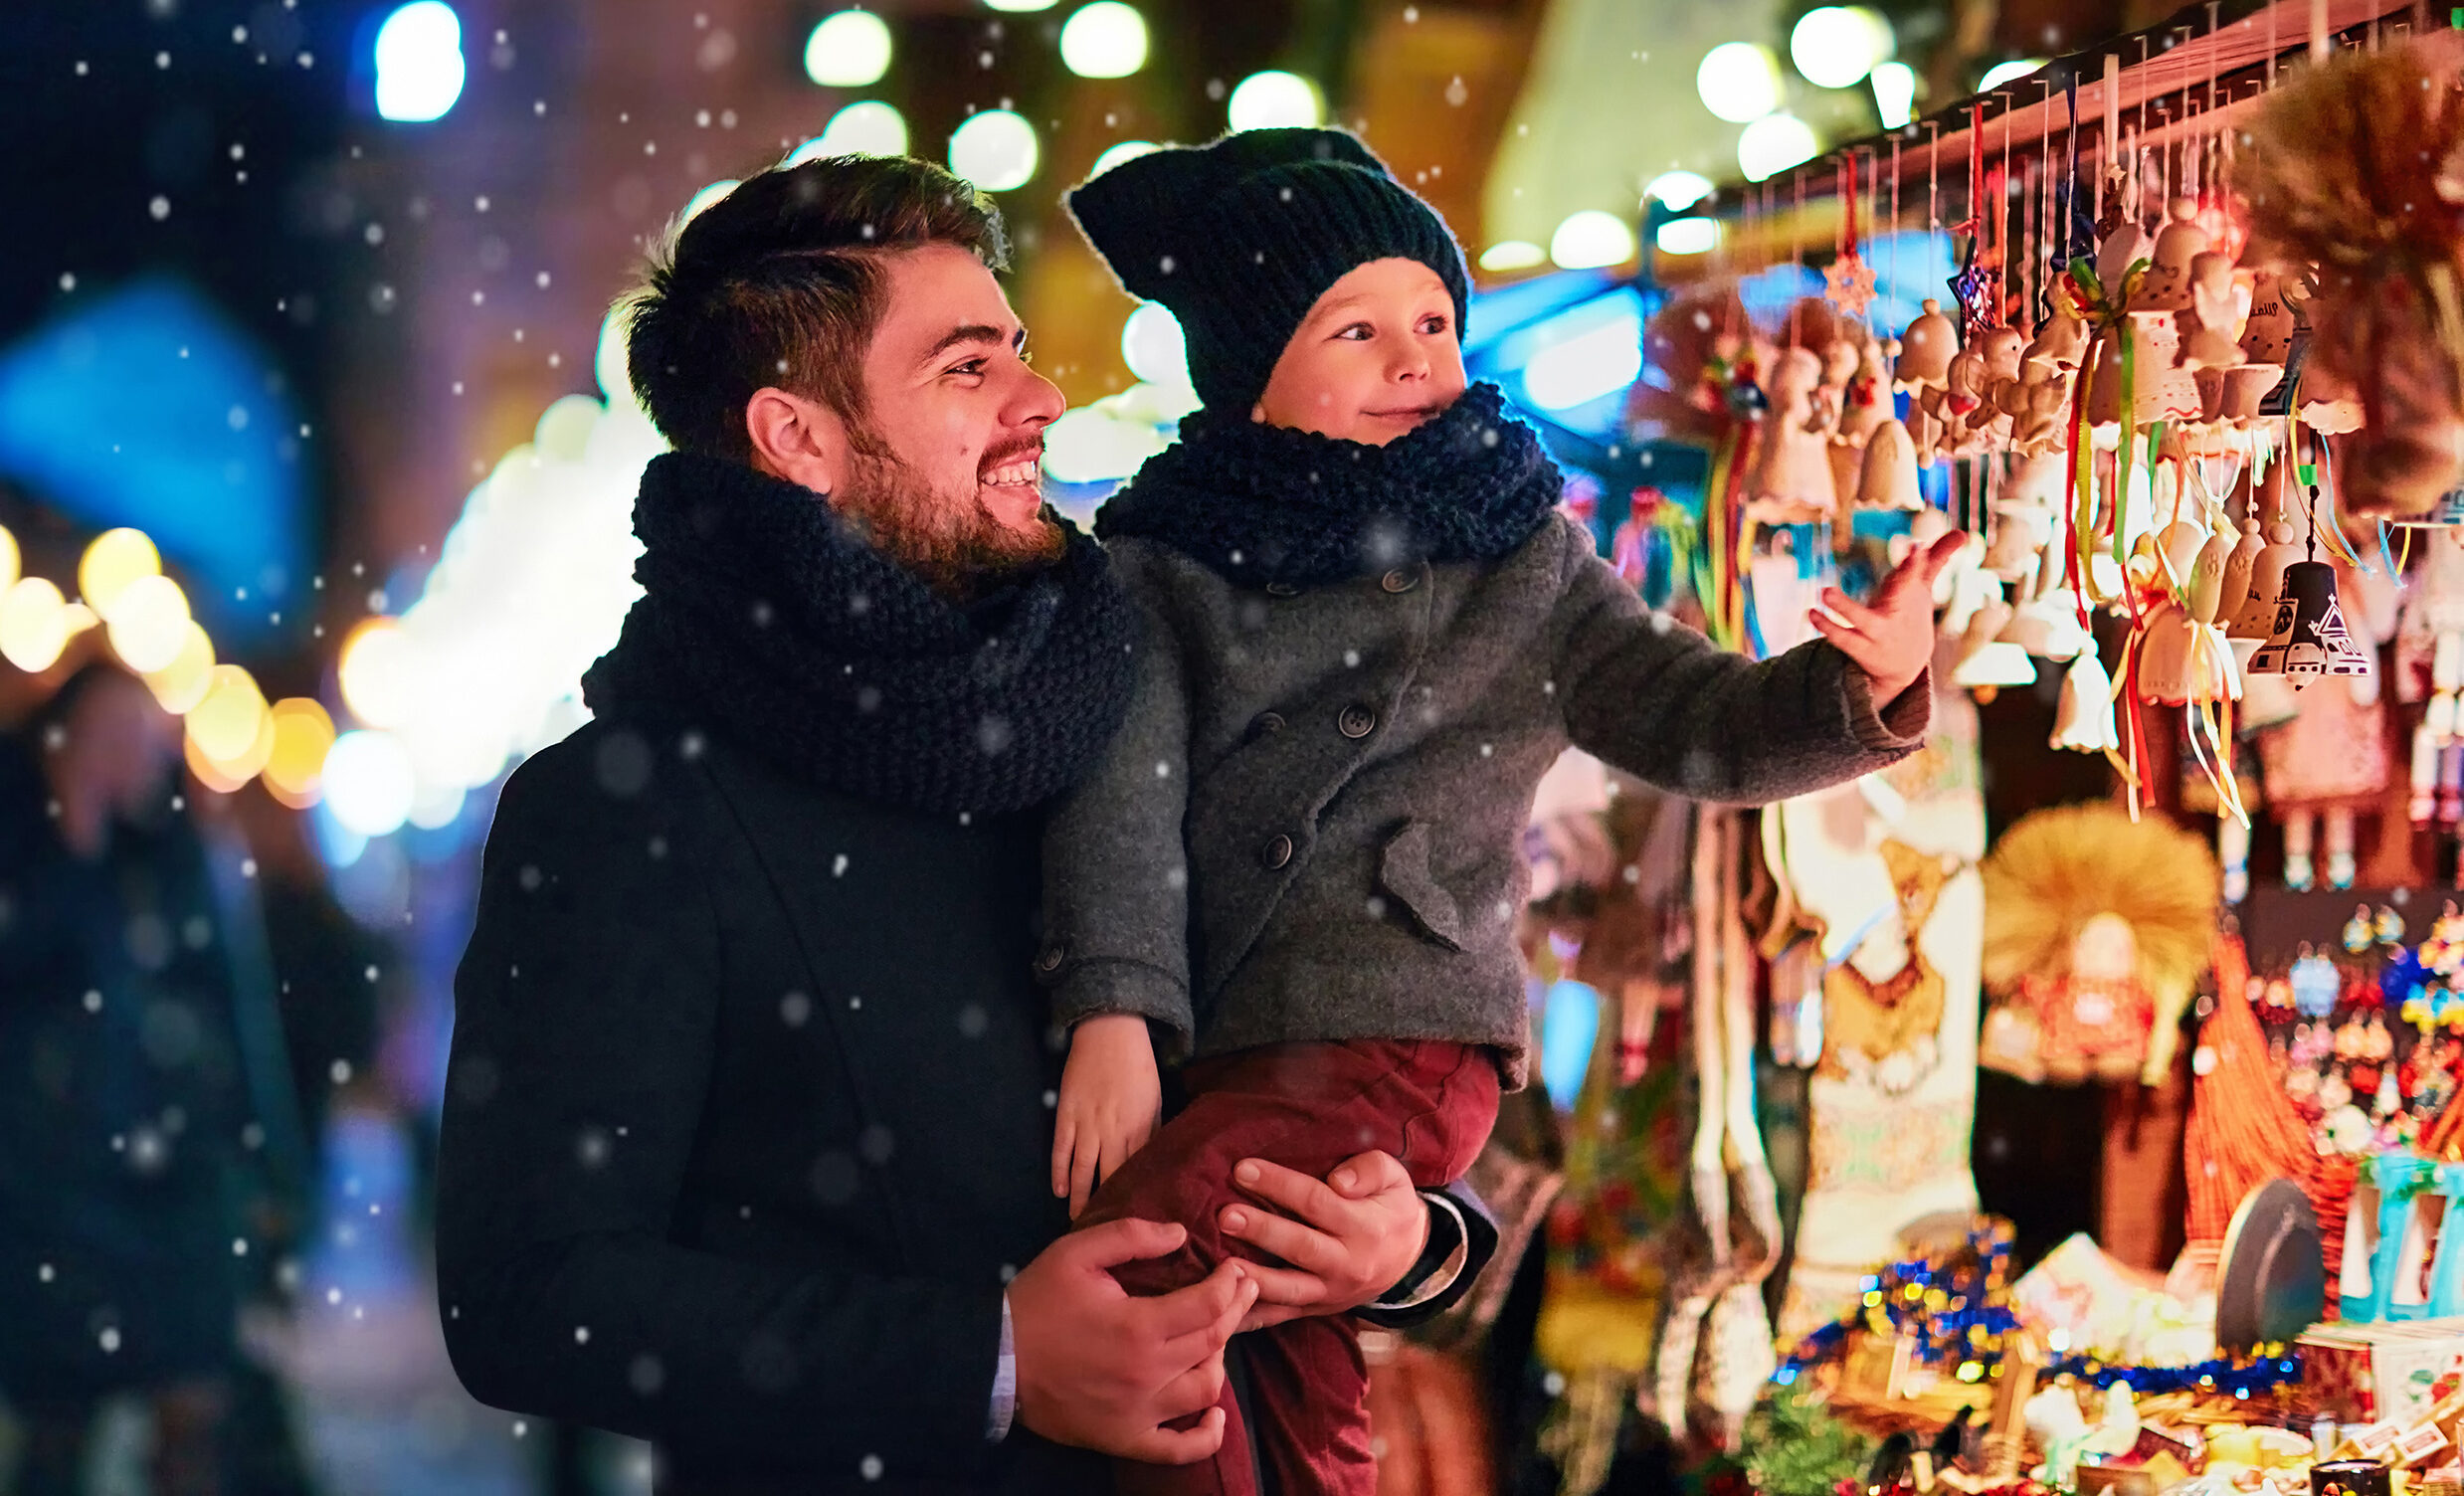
(1658, 699)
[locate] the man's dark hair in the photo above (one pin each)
(780, 283)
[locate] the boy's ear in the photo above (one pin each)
(797, 438)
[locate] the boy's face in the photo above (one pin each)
(1377, 356)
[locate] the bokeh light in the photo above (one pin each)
(1127, 150)
(379, 672)
(1106, 39)
(1590, 240)
(368, 783)
(1836, 46)
(1513, 255)
(303, 735)
(996, 151)
(1275, 99)
(419, 62)
(1598, 360)
(33, 628)
(848, 49)
(2008, 73)
(181, 684)
(148, 620)
(1153, 346)
(228, 721)
(1020, 7)
(1895, 94)
(1772, 144)
(1687, 236)
(1679, 190)
(112, 560)
(867, 127)
(1739, 82)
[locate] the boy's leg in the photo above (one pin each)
(1309, 1391)
(1308, 1107)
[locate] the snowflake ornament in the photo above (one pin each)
(1848, 284)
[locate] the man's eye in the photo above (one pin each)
(971, 366)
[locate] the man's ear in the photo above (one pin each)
(797, 438)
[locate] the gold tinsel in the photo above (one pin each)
(2055, 870)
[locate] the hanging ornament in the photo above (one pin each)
(1848, 282)
(2310, 636)
(2083, 721)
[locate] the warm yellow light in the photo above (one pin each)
(378, 672)
(33, 628)
(148, 623)
(252, 759)
(206, 772)
(302, 736)
(226, 724)
(181, 684)
(116, 559)
(12, 565)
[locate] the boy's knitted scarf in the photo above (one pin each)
(1261, 504)
(766, 617)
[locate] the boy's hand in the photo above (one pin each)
(1110, 1096)
(1891, 640)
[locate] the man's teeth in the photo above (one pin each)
(1014, 473)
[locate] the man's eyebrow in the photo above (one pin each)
(972, 332)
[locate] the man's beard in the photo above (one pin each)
(948, 541)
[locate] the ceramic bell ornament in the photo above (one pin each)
(1887, 476)
(2257, 617)
(1925, 349)
(2083, 719)
(1985, 658)
(1792, 472)
(2167, 285)
(2125, 247)
(2310, 638)
(2212, 320)
(2267, 335)
(1868, 399)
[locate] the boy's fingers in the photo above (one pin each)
(1063, 1136)
(1081, 1177)
(1177, 1446)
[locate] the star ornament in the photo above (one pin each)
(1848, 284)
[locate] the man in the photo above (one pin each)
(746, 1125)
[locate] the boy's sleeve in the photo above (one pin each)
(1653, 697)
(1115, 879)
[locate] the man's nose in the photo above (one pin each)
(1037, 403)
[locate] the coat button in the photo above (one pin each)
(1356, 721)
(1399, 581)
(1282, 590)
(1047, 960)
(1277, 852)
(1265, 724)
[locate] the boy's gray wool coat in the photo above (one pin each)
(1350, 769)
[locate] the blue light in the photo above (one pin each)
(419, 66)
(1568, 1027)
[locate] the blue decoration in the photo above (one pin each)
(145, 406)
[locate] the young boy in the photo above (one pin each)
(1370, 632)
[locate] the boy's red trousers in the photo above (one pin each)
(1310, 1107)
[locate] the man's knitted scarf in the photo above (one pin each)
(766, 617)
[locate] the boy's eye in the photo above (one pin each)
(1432, 323)
(1359, 332)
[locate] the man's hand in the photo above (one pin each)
(1109, 1100)
(1103, 1371)
(1893, 640)
(1357, 1234)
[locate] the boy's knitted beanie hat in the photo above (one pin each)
(1241, 238)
